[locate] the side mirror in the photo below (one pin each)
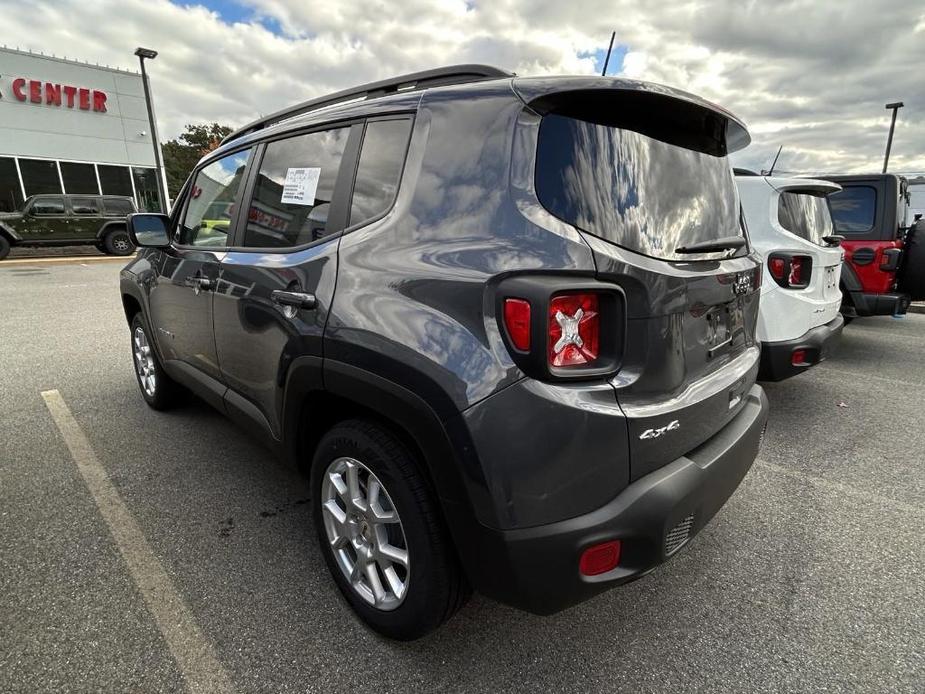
(149, 230)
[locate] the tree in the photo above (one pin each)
(183, 153)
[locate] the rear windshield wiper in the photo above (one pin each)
(730, 243)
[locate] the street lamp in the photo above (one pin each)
(895, 106)
(143, 53)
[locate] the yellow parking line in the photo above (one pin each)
(68, 259)
(190, 648)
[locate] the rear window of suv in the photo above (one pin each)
(853, 209)
(806, 215)
(633, 190)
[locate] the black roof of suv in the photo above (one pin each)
(506, 324)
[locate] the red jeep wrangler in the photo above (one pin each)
(884, 261)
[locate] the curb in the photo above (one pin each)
(72, 260)
(917, 307)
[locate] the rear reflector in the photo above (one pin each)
(798, 357)
(599, 559)
(574, 329)
(517, 322)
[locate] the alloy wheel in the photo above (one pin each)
(365, 533)
(144, 362)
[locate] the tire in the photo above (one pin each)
(118, 242)
(157, 388)
(4, 247)
(434, 587)
(912, 272)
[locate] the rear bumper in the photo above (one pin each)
(864, 304)
(776, 362)
(536, 569)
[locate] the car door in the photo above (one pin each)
(86, 218)
(276, 285)
(45, 219)
(180, 298)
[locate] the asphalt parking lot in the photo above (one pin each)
(810, 579)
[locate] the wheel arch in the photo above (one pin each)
(110, 226)
(318, 394)
(8, 234)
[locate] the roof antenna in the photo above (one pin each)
(607, 59)
(774, 163)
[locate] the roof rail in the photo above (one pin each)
(438, 77)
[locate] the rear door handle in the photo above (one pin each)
(296, 299)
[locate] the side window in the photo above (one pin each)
(210, 202)
(853, 209)
(381, 160)
(48, 206)
(805, 214)
(83, 206)
(293, 190)
(117, 207)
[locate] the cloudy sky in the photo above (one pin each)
(811, 76)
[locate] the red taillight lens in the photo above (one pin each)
(777, 266)
(517, 322)
(798, 357)
(796, 270)
(599, 559)
(574, 329)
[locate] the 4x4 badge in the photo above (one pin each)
(655, 433)
(743, 283)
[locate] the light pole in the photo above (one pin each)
(143, 53)
(895, 106)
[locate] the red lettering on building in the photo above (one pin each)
(18, 84)
(52, 93)
(66, 95)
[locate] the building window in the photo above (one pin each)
(79, 178)
(146, 189)
(40, 176)
(115, 180)
(10, 191)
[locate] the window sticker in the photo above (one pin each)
(300, 186)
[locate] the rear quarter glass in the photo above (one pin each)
(633, 190)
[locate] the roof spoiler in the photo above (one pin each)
(660, 112)
(437, 77)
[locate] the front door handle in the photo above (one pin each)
(199, 283)
(295, 299)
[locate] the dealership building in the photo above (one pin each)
(72, 127)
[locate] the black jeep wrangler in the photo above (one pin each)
(505, 324)
(68, 220)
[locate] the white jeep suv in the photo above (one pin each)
(790, 225)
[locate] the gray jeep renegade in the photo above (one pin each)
(504, 324)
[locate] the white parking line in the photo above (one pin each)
(190, 648)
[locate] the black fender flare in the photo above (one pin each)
(849, 278)
(445, 447)
(107, 226)
(10, 235)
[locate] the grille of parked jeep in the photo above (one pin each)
(678, 535)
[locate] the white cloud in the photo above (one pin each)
(810, 76)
